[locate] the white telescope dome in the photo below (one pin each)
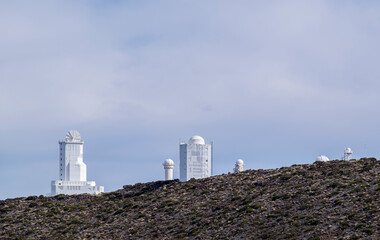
(168, 166)
(168, 162)
(196, 140)
(348, 151)
(239, 162)
(322, 158)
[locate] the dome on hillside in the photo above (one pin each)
(196, 140)
(322, 158)
(348, 151)
(239, 162)
(168, 162)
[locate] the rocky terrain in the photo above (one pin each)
(324, 200)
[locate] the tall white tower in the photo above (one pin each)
(168, 166)
(195, 159)
(239, 166)
(347, 154)
(72, 169)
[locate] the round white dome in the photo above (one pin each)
(239, 162)
(196, 140)
(168, 162)
(348, 151)
(322, 158)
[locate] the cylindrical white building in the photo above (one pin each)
(239, 166)
(168, 166)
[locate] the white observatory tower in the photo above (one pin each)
(195, 159)
(168, 166)
(347, 154)
(239, 166)
(322, 158)
(72, 169)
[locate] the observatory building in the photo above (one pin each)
(72, 169)
(322, 158)
(168, 166)
(347, 154)
(195, 159)
(239, 166)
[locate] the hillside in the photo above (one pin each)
(324, 200)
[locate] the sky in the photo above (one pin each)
(274, 83)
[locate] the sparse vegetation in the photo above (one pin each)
(324, 200)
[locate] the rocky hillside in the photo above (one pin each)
(324, 200)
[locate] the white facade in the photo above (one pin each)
(195, 159)
(69, 187)
(71, 165)
(239, 166)
(168, 166)
(72, 169)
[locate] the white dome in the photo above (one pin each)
(168, 162)
(197, 140)
(239, 162)
(348, 151)
(322, 158)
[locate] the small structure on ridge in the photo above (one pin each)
(322, 158)
(347, 154)
(168, 166)
(239, 166)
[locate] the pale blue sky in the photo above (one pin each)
(275, 83)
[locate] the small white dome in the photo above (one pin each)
(348, 151)
(322, 158)
(239, 162)
(196, 140)
(168, 162)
